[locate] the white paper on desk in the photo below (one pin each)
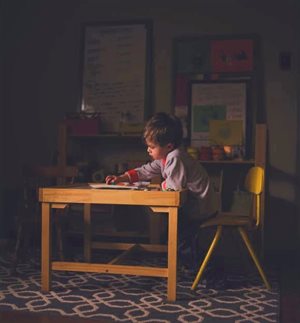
(141, 184)
(112, 186)
(133, 186)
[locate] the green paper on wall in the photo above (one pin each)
(203, 114)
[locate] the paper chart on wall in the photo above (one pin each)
(215, 101)
(114, 74)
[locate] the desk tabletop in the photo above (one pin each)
(83, 193)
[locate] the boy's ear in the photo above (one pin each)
(170, 146)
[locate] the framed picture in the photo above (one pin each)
(218, 113)
(116, 67)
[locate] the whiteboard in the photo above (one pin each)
(115, 72)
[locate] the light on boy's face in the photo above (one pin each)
(158, 152)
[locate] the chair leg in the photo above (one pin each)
(207, 257)
(17, 248)
(59, 234)
(18, 240)
(87, 236)
(254, 257)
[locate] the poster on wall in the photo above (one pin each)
(218, 113)
(232, 55)
(115, 76)
(211, 59)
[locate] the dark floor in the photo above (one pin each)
(290, 303)
(289, 298)
(12, 317)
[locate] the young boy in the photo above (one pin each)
(163, 137)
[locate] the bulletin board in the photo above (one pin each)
(116, 66)
(218, 113)
(217, 58)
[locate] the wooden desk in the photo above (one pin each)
(158, 201)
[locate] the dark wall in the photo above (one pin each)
(40, 68)
(1, 117)
(42, 80)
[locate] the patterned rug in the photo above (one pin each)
(125, 298)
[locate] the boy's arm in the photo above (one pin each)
(176, 175)
(113, 179)
(149, 170)
(145, 172)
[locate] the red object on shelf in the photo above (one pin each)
(205, 153)
(83, 127)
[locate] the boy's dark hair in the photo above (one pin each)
(162, 129)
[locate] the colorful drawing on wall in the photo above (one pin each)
(232, 55)
(202, 114)
(223, 101)
(226, 132)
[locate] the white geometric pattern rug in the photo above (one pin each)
(125, 298)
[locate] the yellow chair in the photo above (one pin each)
(254, 183)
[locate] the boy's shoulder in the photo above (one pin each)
(182, 155)
(178, 152)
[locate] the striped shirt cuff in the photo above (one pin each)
(164, 185)
(133, 175)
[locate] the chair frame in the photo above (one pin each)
(254, 183)
(33, 176)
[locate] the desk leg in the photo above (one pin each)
(46, 248)
(87, 232)
(155, 224)
(172, 253)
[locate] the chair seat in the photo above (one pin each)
(228, 219)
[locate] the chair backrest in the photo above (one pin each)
(217, 185)
(254, 183)
(35, 176)
(58, 175)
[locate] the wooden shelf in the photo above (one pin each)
(108, 135)
(233, 161)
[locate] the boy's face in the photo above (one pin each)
(158, 152)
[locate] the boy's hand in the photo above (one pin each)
(111, 179)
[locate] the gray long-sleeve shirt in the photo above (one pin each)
(180, 171)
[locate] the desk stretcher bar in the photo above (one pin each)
(110, 269)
